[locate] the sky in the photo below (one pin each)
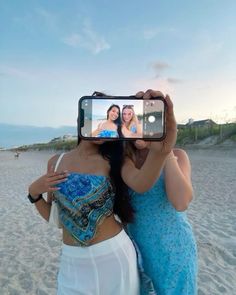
(54, 52)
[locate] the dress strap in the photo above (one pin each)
(58, 161)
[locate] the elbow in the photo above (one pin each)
(141, 189)
(184, 204)
(181, 207)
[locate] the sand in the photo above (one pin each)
(30, 248)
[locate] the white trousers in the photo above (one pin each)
(105, 268)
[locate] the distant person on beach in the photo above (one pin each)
(131, 126)
(17, 154)
(160, 229)
(85, 191)
(112, 126)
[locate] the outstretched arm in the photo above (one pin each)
(141, 180)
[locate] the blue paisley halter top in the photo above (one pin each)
(108, 133)
(83, 201)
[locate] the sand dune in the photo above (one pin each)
(30, 248)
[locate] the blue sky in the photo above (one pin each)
(53, 52)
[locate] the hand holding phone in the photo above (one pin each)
(122, 118)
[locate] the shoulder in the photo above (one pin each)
(183, 161)
(181, 154)
(52, 161)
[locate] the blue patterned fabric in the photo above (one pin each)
(83, 200)
(108, 133)
(133, 129)
(166, 242)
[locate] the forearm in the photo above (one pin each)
(43, 208)
(147, 175)
(178, 186)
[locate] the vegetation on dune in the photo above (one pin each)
(186, 135)
(192, 135)
(59, 145)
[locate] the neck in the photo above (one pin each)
(87, 148)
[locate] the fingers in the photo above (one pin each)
(170, 110)
(169, 103)
(56, 181)
(53, 189)
(60, 174)
(149, 94)
(139, 94)
(152, 93)
(55, 178)
(141, 144)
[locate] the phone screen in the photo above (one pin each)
(121, 118)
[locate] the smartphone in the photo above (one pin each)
(121, 118)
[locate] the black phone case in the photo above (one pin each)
(81, 119)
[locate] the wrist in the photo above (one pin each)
(33, 195)
(33, 192)
(171, 156)
(35, 199)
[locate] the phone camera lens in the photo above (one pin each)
(151, 119)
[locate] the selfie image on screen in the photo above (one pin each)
(108, 118)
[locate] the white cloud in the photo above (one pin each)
(12, 71)
(151, 33)
(88, 39)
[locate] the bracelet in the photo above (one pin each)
(33, 200)
(171, 158)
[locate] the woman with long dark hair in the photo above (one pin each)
(111, 127)
(86, 188)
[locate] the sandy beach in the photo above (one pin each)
(30, 248)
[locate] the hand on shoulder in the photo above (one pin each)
(48, 181)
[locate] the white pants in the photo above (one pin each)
(105, 268)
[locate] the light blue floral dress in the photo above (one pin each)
(166, 243)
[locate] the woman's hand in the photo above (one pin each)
(47, 182)
(165, 146)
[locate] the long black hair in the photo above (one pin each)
(113, 151)
(116, 121)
